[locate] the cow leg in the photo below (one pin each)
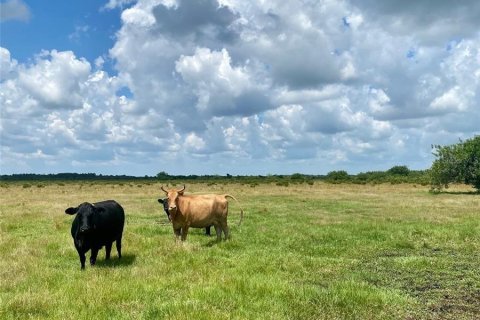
(93, 256)
(184, 233)
(108, 249)
(82, 258)
(218, 230)
(226, 230)
(207, 231)
(118, 244)
(177, 233)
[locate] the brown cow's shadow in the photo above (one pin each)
(125, 261)
(214, 242)
(211, 243)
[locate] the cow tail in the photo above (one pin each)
(241, 210)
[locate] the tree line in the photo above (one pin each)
(456, 163)
(397, 174)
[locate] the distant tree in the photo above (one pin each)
(162, 175)
(399, 170)
(297, 176)
(456, 163)
(337, 176)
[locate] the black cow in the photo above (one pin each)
(164, 202)
(96, 225)
(165, 208)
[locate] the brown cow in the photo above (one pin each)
(198, 211)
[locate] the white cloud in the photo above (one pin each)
(57, 131)
(430, 22)
(378, 101)
(138, 17)
(450, 100)
(194, 143)
(309, 95)
(112, 4)
(56, 79)
(212, 71)
(220, 89)
(7, 64)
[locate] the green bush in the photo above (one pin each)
(399, 170)
(456, 163)
(337, 176)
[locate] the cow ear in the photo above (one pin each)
(160, 200)
(181, 192)
(71, 210)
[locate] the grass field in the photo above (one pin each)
(303, 252)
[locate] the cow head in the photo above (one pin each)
(164, 202)
(172, 197)
(87, 216)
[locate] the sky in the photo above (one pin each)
(235, 86)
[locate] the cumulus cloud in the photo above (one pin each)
(55, 79)
(194, 143)
(431, 22)
(138, 17)
(204, 20)
(253, 87)
(221, 89)
(58, 107)
(7, 64)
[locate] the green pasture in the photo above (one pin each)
(304, 251)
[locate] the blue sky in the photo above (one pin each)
(79, 26)
(230, 86)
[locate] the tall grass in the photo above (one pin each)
(318, 251)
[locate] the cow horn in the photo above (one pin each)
(182, 189)
(164, 190)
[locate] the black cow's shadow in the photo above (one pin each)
(125, 261)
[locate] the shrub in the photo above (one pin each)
(456, 163)
(399, 170)
(337, 176)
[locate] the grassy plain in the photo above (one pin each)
(304, 251)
